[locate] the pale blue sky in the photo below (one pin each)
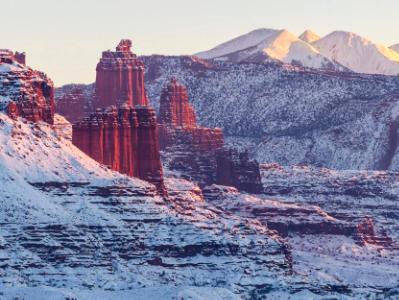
(65, 38)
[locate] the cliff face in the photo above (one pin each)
(198, 151)
(124, 139)
(120, 78)
(24, 92)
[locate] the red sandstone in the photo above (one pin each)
(175, 110)
(124, 138)
(120, 78)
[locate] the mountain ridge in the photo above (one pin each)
(337, 50)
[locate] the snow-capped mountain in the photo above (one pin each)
(269, 44)
(395, 47)
(337, 50)
(309, 36)
(358, 53)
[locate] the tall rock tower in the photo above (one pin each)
(122, 133)
(120, 78)
(175, 110)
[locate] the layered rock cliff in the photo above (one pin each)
(120, 78)
(69, 223)
(24, 92)
(124, 139)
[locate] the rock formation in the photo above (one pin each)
(120, 78)
(122, 132)
(24, 92)
(197, 151)
(175, 110)
(123, 139)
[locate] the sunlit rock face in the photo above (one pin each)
(175, 110)
(122, 131)
(24, 92)
(124, 139)
(120, 78)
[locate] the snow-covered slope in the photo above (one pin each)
(309, 36)
(67, 222)
(265, 44)
(358, 53)
(71, 228)
(395, 47)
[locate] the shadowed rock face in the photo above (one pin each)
(198, 151)
(120, 78)
(124, 139)
(236, 169)
(75, 101)
(24, 92)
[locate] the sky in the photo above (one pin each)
(65, 38)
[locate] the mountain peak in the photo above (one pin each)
(263, 45)
(358, 53)
(241, 42)
(309, 36)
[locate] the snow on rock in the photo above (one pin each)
(358, 53)
(265, 44)
(23, 91)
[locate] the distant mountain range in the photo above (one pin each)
(338, 50)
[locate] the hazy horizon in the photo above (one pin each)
(67, 42)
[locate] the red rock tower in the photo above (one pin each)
(120, 78)
(175, 110)
(122, 133)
